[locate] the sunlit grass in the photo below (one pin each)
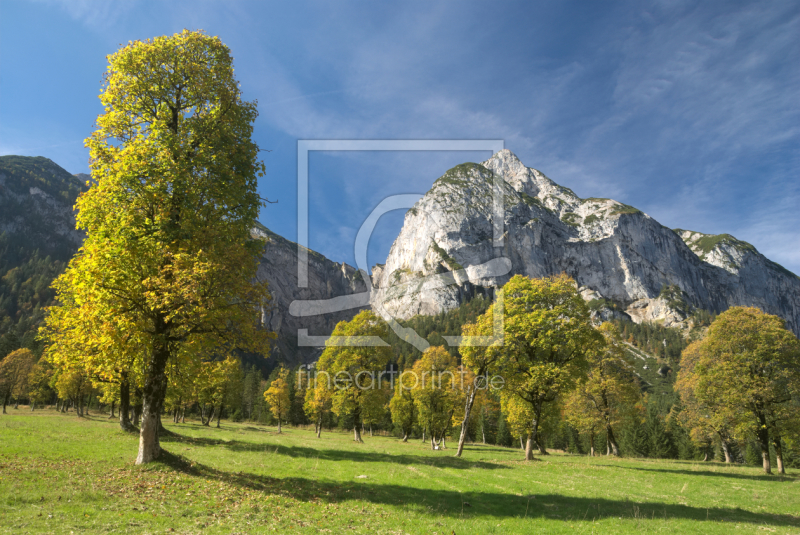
(62, 474)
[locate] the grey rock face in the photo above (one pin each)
(326, 280)
(612, 250)
(36, 205)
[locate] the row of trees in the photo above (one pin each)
(740, 383)
(549, 351)
(748, 361)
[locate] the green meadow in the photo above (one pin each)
(64, 474)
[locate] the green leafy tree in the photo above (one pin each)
(166, 273)
(434, 393)
(39, 379)
(317, 404)
(548, 334)
(402, 407)
(706, 420)
(479, 358)
(751, 362)
(504, 437)
(608, 394)
(14, 371)
(74, 385)
(251, 395)
(662, 445)
(278, 397)
(354, 371)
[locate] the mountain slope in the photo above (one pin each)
(326, 280)
(614, 251)
(37, 239)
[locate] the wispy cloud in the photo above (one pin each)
(96, 15)
(687, 111)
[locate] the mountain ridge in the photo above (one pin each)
(627, 264)
(614, 251)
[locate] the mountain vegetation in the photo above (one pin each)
(36, 200)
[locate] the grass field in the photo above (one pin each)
(64, 474)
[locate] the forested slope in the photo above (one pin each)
(37, 239)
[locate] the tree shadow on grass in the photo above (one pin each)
(445, 461)
(451, 503)
(710, 473)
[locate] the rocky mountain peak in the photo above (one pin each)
(615, 252)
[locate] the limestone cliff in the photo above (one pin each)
(326, 280)
(614, 252)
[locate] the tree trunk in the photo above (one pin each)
(705, 457)
(357, 434)
(405, 436)
(591, 444)
(279, 425)
(5, 402)
(33, 405)
(113, 403)
(433, 441)
(529, 447)
(533, 438)
(483, 428)
(444, 442)
(183, 416)
(125, 405)
(776, 441)
(726, 449)
(763, 441)
(370, 430)
(465, 423)
(423, 435)
(219, 415)
(522, 443)
(612, 441)
(319, 427)
(540, 445)
(155, 388)
(209, 413)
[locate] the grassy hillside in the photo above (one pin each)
(62, 474)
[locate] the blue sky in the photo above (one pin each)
(688, 111)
